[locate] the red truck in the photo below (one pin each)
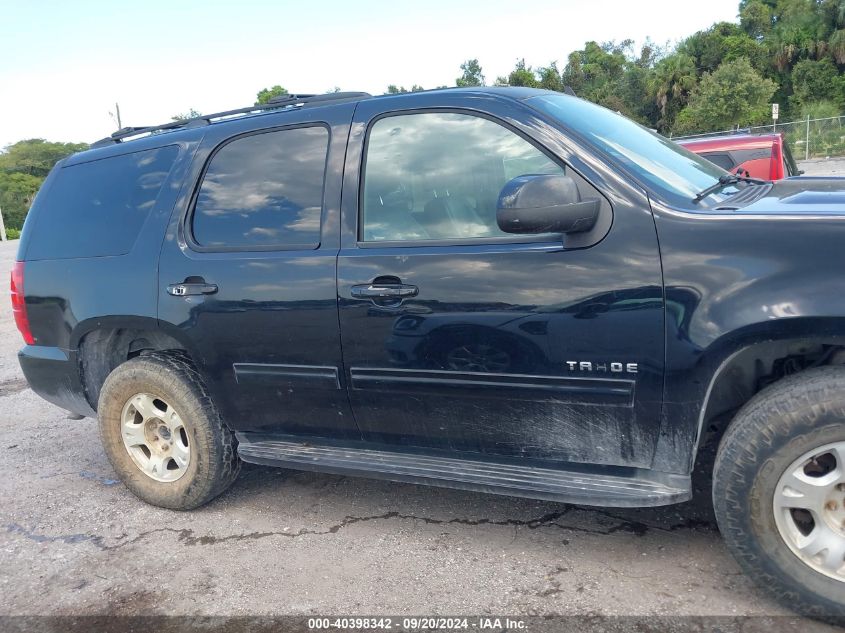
(763, 156)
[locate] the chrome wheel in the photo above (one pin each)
(155, 437)
(809, 506)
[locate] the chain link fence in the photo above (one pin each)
(809, 138)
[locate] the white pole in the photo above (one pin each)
(807, 141)
(2, 227)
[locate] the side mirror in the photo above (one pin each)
(545, 203)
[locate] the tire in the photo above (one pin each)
(162, 433)
(770, 438)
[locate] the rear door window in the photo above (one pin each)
(263, 192)
(97, 209)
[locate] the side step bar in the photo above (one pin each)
(634, 488)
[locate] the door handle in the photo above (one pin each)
(384, 291)
(191, 288)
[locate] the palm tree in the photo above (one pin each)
(836, 46)
(673, 80)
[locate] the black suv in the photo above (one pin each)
(505, 290)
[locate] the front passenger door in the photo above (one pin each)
(460, 337)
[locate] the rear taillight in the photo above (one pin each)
(19, 305)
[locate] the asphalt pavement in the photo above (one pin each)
(73, 540)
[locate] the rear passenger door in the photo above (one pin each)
(460, 337)
(247, 272)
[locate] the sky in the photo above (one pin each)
(64, 64)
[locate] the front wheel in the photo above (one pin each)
(779, 490)
(163, 434)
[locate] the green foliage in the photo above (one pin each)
(788, 51)
(755, 18)
(36, 156)
(612, 75)
(393, 89)
(190, 114)
(264, 95)
(816, 80)
(13, 234)
(23, 167)
(733, 95)
(722, 42)
(670, 84)
(471, 74)
(820, 110)
(523, 75)
(17, 191)
(549, 78)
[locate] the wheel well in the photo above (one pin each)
(756, 367)
(100, 351)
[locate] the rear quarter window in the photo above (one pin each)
(97, 209)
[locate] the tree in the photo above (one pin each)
(550, 78)
(573, 73)
(190, 114)
(393, 89)
(17, 191)
(836, 45)
(36, 156)
(734, 94)
(266, 94)
(23, 167)
(820, 110)
(472, 75)
(722, 42)
(522, 75)
(801, 31)
(612, 75)
(671, 83)
(816, 80)
(755, 18)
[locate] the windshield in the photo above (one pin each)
(674, 173)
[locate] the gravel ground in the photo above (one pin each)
(75, 541)
(823, 167)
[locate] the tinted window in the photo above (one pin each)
(744, 155)
(664, 166)
(437, 176)
(97, 209)
(722, 159)
(264, 191)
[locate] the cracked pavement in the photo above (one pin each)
(73, 540)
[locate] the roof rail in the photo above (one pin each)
(280, 101)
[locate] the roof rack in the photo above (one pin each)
(281, 101)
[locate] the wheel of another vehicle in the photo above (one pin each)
(779, 490)
(481, 353)
(478, 357)
(163, 434)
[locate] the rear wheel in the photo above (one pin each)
(163, 434)
(779, 490)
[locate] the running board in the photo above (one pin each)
(635, 488)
